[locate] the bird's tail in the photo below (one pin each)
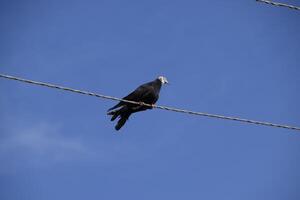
(117, 112)
(122, 120)
(123, 113)
(114, 113)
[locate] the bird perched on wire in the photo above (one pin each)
(147, 93)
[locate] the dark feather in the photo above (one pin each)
(124, 117)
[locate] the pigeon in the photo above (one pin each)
(147, 93)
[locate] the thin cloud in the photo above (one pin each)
(40, 144)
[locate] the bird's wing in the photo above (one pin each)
(136, 95)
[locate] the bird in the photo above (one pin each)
(147, 93)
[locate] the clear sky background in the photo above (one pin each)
(236, 58)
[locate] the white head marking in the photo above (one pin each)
(163, 79)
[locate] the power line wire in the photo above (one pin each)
(279, 4)
(154, 106)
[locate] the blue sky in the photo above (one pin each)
(236, 58)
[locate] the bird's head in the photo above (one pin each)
(163, 79)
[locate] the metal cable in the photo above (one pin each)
(279, 4)
(154, 106)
